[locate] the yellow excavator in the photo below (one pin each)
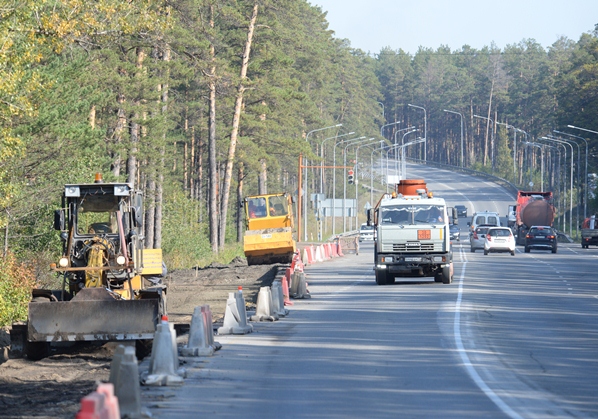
(269, 229)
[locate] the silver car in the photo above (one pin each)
(478, 236)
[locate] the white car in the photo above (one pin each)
(499, 239)
(366, 233)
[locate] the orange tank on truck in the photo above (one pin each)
(533, 209)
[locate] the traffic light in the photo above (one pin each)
(350, 176)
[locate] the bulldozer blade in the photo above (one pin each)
(92, 320)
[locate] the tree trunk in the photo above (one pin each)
(150, 208)
(162, 166)
(235, 127)
(262, 179)
(135, 129)
(213, 200)
(240, 212)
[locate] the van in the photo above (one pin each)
(366, 232)
(484, 218)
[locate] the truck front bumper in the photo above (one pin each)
(403, 263)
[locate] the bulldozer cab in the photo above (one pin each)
(268, 211)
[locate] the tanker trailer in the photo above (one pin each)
(533, 209)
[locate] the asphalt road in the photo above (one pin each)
(512, 337)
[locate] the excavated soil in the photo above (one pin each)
(53, 387)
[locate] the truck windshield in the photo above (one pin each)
(97, 215)
(412, 214)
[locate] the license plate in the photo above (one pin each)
(266, 236)
(541, 237)
(412, 259)
(424, 234)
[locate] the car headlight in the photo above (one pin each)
(386, 259)
(63, 262)
(121, 260)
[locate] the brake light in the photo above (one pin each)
(488, 237)
(551, 237)
(528, 236)
(475, 235)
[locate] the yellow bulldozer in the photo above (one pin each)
(112, 286)
(269, 229)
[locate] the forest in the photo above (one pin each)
(202, 102)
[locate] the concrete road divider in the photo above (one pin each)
(278, 299)
(235, 316)
(164, 361)
(101, 404)
(207, 315)
(124, 375)
(264, 310)
(198, 343)
(299, 286)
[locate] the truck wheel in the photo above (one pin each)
(381, 277)
(446, 275)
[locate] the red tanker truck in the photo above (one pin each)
(589, 232)
(533, 209)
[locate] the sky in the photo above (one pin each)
(371, 25)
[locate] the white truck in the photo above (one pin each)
(413, 237)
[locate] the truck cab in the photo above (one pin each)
(413, 238)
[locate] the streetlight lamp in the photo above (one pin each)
(585, 201)
(305, 177)
(425, 130)
(334, 180)
(457, 113)
(491, 139)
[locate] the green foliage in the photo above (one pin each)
(16, 282)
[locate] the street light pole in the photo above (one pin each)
(425, 130)
(403, 165)
(305, 178)
(387, 125)
(585, 201)
(578, 164)
(372, 173)
(334, 181)
(345, 180)
(570, 181)
(395, 142)
(322, 158)
(457, 113)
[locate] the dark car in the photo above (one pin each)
(455, 232)
(461, 210)
(541, 237)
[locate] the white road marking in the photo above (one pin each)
(506, 409)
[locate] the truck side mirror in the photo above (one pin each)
(137, 216)
(59, 223)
